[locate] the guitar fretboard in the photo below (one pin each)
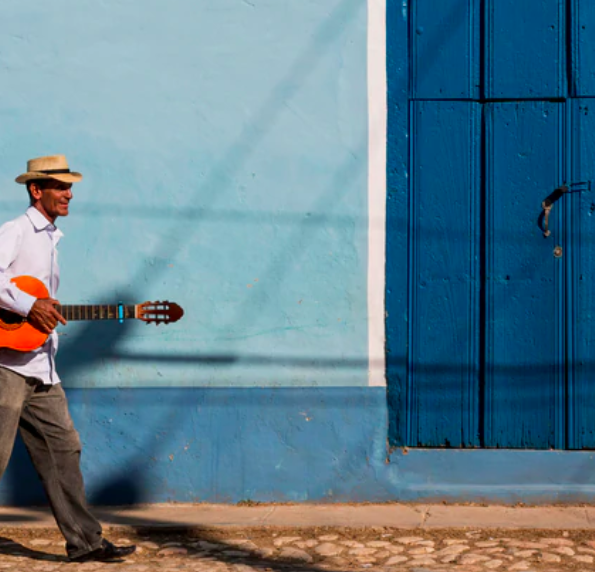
(95, 312)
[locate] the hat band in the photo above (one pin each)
(55, 171)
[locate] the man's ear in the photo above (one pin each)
(35, 191)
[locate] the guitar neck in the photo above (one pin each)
(97, 312)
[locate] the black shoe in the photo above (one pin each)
(106, 552)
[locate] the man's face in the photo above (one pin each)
(52, 198)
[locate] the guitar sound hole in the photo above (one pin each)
(10, 318)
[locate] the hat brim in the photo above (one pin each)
(72, 177)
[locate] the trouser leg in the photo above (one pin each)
(13, 393)
(55, 449)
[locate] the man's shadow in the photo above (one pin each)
(11, 548)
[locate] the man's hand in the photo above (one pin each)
(44, 316)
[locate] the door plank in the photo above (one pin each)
(444, 274)
(581, 269)
(525, 49)
(524, 291)
(445, 49)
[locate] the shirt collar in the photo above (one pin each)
(39, 222)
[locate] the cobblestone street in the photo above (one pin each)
(309, 549)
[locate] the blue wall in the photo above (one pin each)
(225, 152)
(288, 444)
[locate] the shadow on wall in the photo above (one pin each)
(97, 341)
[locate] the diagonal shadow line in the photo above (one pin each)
(261, 124)
(255, 132)
(264, 119)
(325, 34)
(283, 259)
(427, 57)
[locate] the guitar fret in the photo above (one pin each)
(74, 312)
(157, 312)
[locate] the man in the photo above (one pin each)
(31, 395)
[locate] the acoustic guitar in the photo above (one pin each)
(18, 334)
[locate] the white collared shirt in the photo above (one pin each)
(28, 248)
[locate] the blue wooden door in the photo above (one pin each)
(499, 332)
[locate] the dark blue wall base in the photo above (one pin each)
(298, 445)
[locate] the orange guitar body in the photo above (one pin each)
(15, 332)
(18, 334)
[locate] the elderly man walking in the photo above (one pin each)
(31, 395)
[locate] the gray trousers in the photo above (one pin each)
(41, 413)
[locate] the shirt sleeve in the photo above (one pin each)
(11, 298)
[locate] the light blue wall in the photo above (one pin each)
(224, 149)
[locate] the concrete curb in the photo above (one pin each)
(299, 516)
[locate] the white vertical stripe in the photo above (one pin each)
(377, 113)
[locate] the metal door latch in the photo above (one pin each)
(549, 201)
(547, 207)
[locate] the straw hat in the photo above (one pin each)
(52, 167)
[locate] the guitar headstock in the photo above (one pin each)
(159, 312)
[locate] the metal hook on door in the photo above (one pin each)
(547, 207)
(549, 201)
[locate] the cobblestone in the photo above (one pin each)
(328, 537)
(547, 557)
(328, 549)
(522, 565)
(296, 554)
(308, 550)
(565, 550)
